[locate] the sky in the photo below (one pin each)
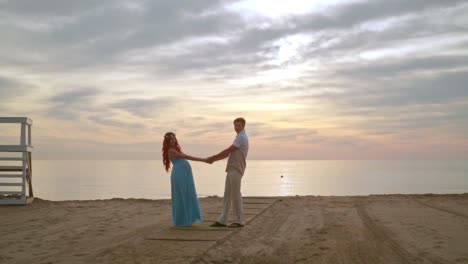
(317, 79)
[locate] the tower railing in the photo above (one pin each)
(16, 165)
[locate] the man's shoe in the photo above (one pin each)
(233, 225)
(217, 224)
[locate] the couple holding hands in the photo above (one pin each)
(185, 206)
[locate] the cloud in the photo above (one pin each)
(354, 71)
(349, 15)
(409, 66)
(11, 88)
(106, 121)
(424, 89)
(71, 104)
(14, 90)
(289, 135)
(145, 107)
(95, 34)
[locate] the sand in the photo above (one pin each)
(306, 229)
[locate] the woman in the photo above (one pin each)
(185, 207)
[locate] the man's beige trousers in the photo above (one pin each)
(232, 194)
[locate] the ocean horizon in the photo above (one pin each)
(105, 179)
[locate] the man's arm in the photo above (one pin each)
(223, 154)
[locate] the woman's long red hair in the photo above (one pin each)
(165, 149)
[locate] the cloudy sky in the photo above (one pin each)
(316, 79)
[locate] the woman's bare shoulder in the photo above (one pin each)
(173, 152)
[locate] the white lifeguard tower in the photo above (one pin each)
(16, 166)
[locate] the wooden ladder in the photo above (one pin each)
(16, 168)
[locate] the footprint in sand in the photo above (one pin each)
(323, 232)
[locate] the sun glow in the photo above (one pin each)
(265, 106)
(275, 9)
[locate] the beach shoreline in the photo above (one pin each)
(391, 228)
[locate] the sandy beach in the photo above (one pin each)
(302, 229)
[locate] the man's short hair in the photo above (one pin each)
(241, 120)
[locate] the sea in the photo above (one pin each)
(60, 180)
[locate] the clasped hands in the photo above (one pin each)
(210, 160)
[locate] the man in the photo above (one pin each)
(235, 169)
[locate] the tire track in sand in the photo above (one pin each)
(440, 208)
(204, 256)
(383, 236)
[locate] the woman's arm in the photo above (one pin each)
(176, 154)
